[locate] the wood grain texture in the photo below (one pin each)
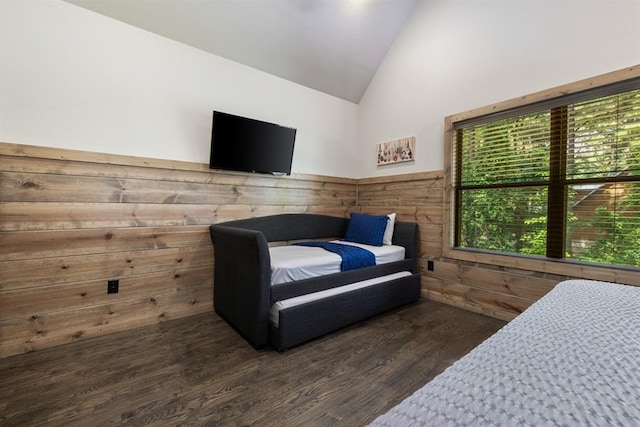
(488, 283)
(477, 282)
(413, 197)
(581, 85)
(71, 220)
(197, 371)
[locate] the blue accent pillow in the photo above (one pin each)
(366, 229)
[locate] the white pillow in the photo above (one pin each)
(388, 232)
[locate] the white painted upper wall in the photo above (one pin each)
(71, 78)
(457, 55)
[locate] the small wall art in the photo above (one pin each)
(396, 151)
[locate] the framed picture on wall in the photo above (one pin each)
(396, 151)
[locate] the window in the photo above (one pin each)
(558, 178)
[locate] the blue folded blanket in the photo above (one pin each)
(353, 257)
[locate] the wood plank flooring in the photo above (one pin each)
(198, 371)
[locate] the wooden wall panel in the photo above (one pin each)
(29, 244)
(71, 220)
(491, 288)
(413, 197)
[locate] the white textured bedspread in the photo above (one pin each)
(571, 359)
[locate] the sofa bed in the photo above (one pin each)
(275, 290)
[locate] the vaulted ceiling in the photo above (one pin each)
(333, 46)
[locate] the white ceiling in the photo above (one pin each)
(334, 46)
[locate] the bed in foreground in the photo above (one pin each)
(572, 358)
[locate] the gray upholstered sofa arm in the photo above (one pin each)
(242, 280)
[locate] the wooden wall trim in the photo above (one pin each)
(449, 283)
(402, 178)
(52, 153)
(574, 87)
(72, 220)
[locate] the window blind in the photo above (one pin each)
(559, 178)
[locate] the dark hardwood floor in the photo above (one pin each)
(198, 371)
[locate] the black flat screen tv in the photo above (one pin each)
(249, 145)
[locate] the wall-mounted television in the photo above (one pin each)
(249, 145)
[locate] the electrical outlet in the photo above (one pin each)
(430, 265)
(112, 286)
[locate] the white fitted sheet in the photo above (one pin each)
(290, 263)
(302, 299)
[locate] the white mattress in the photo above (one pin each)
(291, 302)
(292, 262)
(572, 358)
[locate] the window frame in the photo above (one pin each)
(535, 263)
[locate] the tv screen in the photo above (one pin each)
(244, 144)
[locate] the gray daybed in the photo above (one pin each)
(244, 294)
